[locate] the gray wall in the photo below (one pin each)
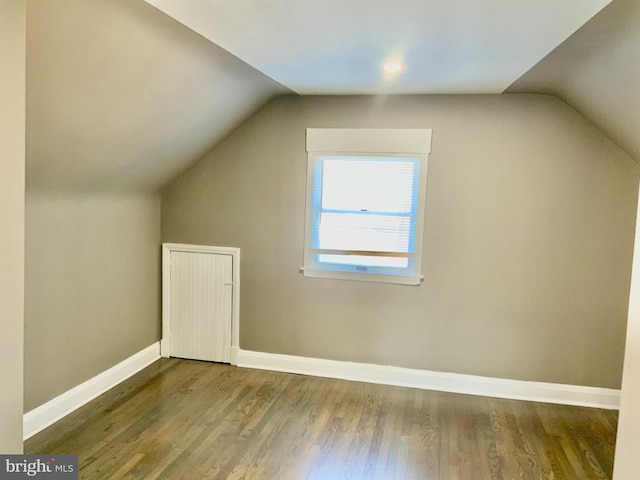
(12, 159)
(92, 286)
(527, 252)
(120, 99)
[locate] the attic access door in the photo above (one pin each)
(200, 292)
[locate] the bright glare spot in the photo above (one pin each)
(392, 67)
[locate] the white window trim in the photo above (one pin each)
(366, 141)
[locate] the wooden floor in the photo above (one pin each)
(181, 419)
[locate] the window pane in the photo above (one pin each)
(373, 184)
(365, 194)
(352, 231)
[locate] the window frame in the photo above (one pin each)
(344, 142)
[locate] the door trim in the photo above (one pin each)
(167, 249)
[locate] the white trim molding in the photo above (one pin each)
(235, 351)
(369, 140)
(47, 414)
(167, 248)
(428, 380)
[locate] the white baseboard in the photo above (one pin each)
(164, 348)
(234, 352)
(41, 417)
(429, 380)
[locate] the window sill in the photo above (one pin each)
(363, 277)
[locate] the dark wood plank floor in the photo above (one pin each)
(181, 419)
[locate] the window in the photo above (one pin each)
(365, 203)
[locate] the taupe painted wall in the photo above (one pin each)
(92, 286)
(527, 254)
(120, 99)
(12, 159)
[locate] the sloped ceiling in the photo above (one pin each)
(122, 97)
(597, 71)
(337, 46)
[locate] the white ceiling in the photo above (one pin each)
(337, 46)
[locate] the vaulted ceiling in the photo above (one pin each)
(337, 46)
(120, 96)
(597, 71)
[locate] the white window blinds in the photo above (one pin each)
(364, 210)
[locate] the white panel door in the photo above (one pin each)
(201, 306)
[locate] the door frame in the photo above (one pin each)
(167, 249)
